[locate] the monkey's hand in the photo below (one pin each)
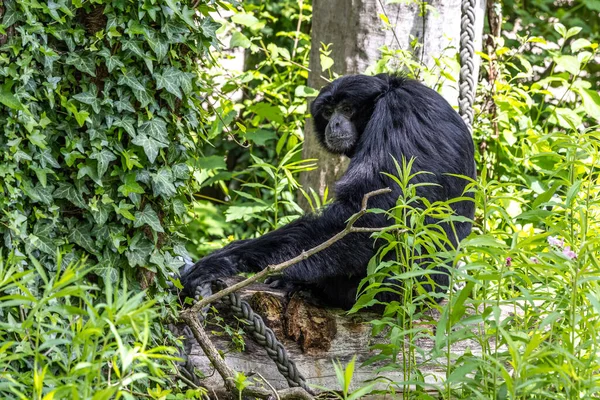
(282, 283)
(219, 264)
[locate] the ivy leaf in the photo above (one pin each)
(112, 62)
(123, 104)
(123, 209)
(169, 80)
(150, 145)
(9, 99)
(148, 217)
(185, 81)
(68, 192)
(80, 234)
(156, 128)
(181, 171)
(104, 157)
(143, 97)
(209, 29)
(162, 183)
(139, 251)
(38, 139)
(11, 15)
(173, 263)
(83, 64)
(100, 213)
(128, 79)
(89, 98)
(46, 158)
(43, 244)
(134, 47)
(130, 185)
(157, 43)
(126, 123)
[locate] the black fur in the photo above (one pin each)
(393, 117)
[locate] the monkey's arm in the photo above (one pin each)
(348, 256)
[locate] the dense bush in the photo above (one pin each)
(102, 113)
(101, 109)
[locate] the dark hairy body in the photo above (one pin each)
(372, 120)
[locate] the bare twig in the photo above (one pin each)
(273, 269)
(298, 29)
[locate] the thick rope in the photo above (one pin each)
(266, 338)
(259, 331)
(466, 95)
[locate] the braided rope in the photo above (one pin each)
(466, 85)
(266, 338)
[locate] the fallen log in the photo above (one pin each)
(313, 336)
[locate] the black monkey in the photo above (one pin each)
(370, 119)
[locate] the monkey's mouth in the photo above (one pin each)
(340, 144)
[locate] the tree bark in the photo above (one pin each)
(357, 33)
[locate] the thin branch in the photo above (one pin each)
(273, 269)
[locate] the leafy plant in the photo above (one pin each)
(57, 344)
(101, 107)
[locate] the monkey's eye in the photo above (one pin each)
(347, 109)
(327, 113)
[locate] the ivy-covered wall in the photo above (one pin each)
(100, 108)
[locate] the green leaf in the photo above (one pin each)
(156, 127)
(123, 209)
(80, 234)
(38, 139)
(569, 63)
(212, 162)
(169, 80)
(150, 145)
(104, 157)
(238, 39)
(127, 123)
(83, 64)
(46, 158)
(261, 136)
(248, 20)
(130, 185)
(139, 251)
(326, 62)
(305, 91)
(181, 171)
(579, 44)
(128, 79)
(43, 244)
(143, 97)
(162, 183)
(148, 217)
(9, 99)
(157, 43)
(591, 103)
(268, 111)
(68, 192)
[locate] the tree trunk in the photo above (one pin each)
(356, 31)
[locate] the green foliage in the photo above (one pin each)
(262, 112)
(101, 108)
(526, 297)
(55, 344)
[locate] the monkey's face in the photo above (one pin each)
(341, 134)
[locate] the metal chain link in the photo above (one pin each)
(466, 95)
